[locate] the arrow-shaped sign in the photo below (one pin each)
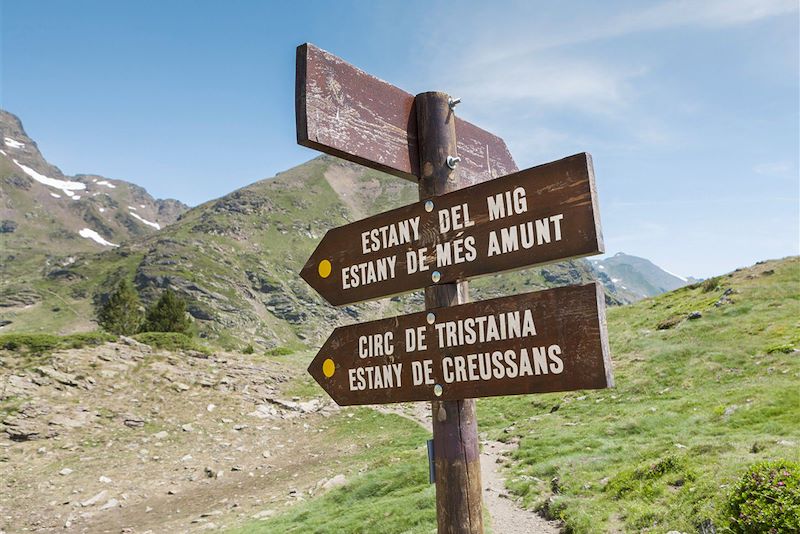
(343, 111)
(539, 215)
(552, 340)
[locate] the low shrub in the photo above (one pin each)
(280, 351)
(44, 343)
(766, 499)
(170, 341)
(249, 349)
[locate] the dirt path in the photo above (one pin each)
(507, 517)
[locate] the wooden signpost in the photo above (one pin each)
(476, 216)
(531, 217)
(552, 340)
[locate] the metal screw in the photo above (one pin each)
(453, 102)
(429, 206)
(452, 161)
(436, 276)
(431, 317)
(437, 390)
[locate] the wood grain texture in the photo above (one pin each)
(573, 318)
(345, 112)
(564, 187)
(459, 504)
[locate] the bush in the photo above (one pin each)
(710, 284)
(280, 351)
(122, 313)
(44, 343)
(167, 315)
(170, 341)
(766, 499)
(249, 349)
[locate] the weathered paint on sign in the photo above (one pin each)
(539, 215)
(551, 340)
(345, 112)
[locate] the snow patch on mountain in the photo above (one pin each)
(12, 143)
(88, 233)
(64, 185)
(145, 221)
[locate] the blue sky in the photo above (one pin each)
(690, 109)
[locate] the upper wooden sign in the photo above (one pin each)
(552, 340)
(539, 215)
(348, 113)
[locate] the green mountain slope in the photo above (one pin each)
(235, 260)
(696, 401)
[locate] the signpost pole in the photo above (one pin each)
(455, 425)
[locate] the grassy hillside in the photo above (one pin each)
(236, 261)
(696, 402)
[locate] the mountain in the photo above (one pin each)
(46, 215)
(234, 259)
(632, 278)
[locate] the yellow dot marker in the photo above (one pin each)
(324, 268)
(328, 367)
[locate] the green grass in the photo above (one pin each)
(391, 496)
(693, 406)
(38, 344)
(171, 341)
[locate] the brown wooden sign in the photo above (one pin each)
(552, 340)
(345, 112)
(539, 215)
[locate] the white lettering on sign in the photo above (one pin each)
(509, 203)
(391, 235)
(503, 364)
(485, 328)
(525, 235)
(376, 377)
(455, 218)
(456, 251)
(376, 345)
(368, 272)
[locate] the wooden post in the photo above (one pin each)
(455, 424)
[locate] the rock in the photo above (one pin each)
(112, 503)
(187, 428)
(141, 347)
(264, 514)
(335, 482)
(186, 458)
(695, 315)
(211, 407)
(266, 454)
(96, 499)
(66, 471)
(264, 411)
(58, 376)
(133, 421)
(24, 429)
(239, 427)
(161, 435)
(236, 468)
(180, 387)
(104, 479)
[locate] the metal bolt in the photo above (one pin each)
(453, 102)
(429, 206)
(431, 317)
(452, 161)
(436, 276)
(437, 390)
